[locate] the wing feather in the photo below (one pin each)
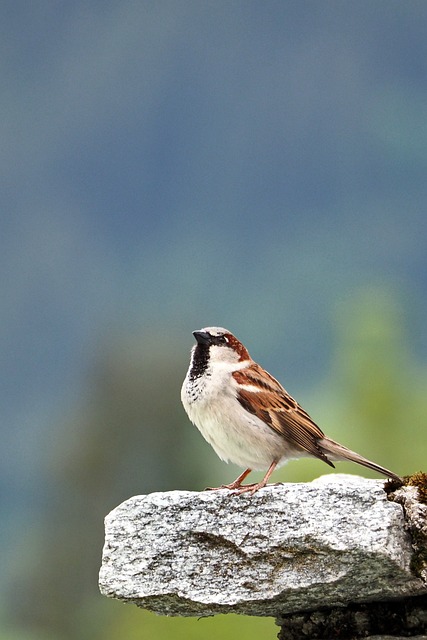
(263, 396)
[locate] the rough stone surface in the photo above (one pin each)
(416, 524)
(396, 618)
(288, 548)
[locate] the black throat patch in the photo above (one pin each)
(200, 361)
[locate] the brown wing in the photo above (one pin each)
(274, 406)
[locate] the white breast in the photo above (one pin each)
(235, 434)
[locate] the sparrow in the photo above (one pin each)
(246, 414)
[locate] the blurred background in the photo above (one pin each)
(172, 165)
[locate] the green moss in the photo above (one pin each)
(418, 479)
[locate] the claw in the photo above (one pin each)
(249, 488)
(238, 488)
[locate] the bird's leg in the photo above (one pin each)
(233, 485)
(253, 488)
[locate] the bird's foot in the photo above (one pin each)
(232, 486)
(253, 488)
(236, 484)
(248, 488)
(238, 489)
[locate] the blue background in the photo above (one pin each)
(172, 165)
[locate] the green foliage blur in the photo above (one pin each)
(130, 435)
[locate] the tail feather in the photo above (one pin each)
(336, 451)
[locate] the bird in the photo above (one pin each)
(247, 415)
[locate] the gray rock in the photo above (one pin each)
(288, 548)
(416, 523)
(383, 619)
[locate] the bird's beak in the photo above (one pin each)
(202, 337)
